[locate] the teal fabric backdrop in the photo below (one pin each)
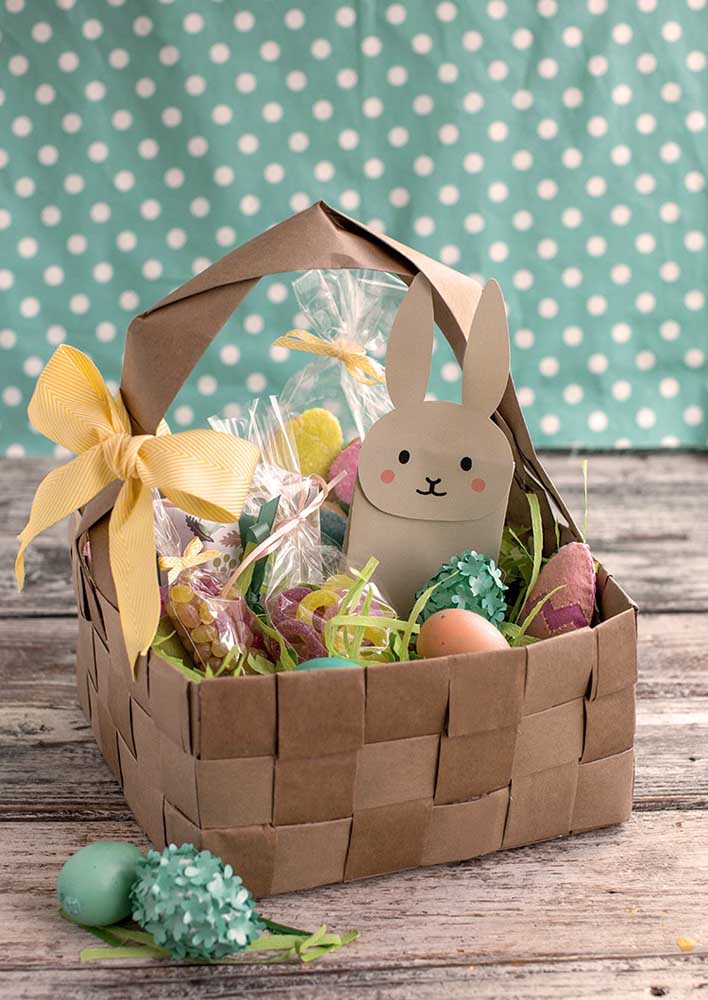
(560, 147)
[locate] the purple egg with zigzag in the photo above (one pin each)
(573, 570)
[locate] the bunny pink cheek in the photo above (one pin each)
(478, 485)
(387, 476)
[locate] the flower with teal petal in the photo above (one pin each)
(469, 581)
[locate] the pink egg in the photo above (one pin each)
(571, 574)
(457, 631)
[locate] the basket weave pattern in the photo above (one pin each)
(306, 778)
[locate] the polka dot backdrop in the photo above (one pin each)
(558, 147)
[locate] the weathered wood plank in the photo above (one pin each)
(620, 979)
(647, 514)
(628, 891)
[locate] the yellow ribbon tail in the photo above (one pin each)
(131, 542)
(358, 363)
(61, 492)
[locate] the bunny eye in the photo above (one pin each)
(466, 463)
(404, 456)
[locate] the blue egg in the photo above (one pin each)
(94, 885)
(325, 663)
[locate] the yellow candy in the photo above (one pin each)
(339, 582)
(181, 594)
(318, 439)
(314, 600)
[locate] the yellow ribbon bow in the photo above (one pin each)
(204, 472)
(193, 555)
(359, 365)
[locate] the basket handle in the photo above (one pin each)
(164, 343)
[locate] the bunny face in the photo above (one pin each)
(435, 463)
(432, 460)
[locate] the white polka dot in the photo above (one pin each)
(176, 239)
(620, 215)
(646, 418)
(22, 126)
(596, 305)
(693, 416)
(396, 13)
(671, 31)
(597, 66)
(207, 385)
(645, 302)
(694, 240)
(124, 180)
(299, 201)
(349, 138)
(474, 223)
(349, 200)
(498, 191)
(622, 34)
(27, 247)
(372, 107)
(597, 421)
(24, 187)
(397, 136)
(522, 101)
(498, 251)
(550, 424)
(371, 46)
(345, 17)
(221, 114)
(571, 218)
(498, 131)
(596, 246)
(524, 339)
(76, 244)
(522, 39)
(547, 189)
(548, 308)
(321, 110)
(522, 221)
(145, 87)
(174, 177)
(621, 390)
(448, 72)
(225, 236)
(423, 104)
(645, 361)
(670, 152)
(253, 323)
(621, 274)
(645, 183)
(596, 186)
(694, 358)
(11, 396)
(45, 94)
(296, 80)
(250, 204)
(79, 304)
(597, 126)
(18, 65)
(193, 23)
(422, 43)
(547, 128)
(220, 52)
(621, 333)
(7, 279)
(150, 209)
(92, 29)
(645, 243)
(669, 271)
(129, 300)
(450, 372)
(621, 94)
(472, 41)
(424, 225)
(148, 149)
(248, 143)
(171, 117)
(548, 366)
(597, 363)
(74, 183)
(694, 181)
(256, 382)
(230, 354)
(669, 388)
(573, 97)
(671, 92)
(102, 272)
(320, 49)
(696, 61)
(669, 212)
(694, 300)
(273, 173)
(8, 339)
(48, 155)
(573, 394)
(272, 112)
(572, 277)
(53, 275)
(548, 68)
(68, 62)
(244, 20)
(547, 249)
(183, 415)
(50, 215)
(450, 254)
(522, 160)
(497, 70)
(142, 26)
(473, 163)
(195, 85)
(448, 134)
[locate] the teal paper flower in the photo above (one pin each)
(469, 581)
(193, 904)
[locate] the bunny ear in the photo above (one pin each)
(410, 345)
(485, 370)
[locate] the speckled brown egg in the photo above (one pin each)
(457, 631)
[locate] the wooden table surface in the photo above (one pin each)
(592, 915)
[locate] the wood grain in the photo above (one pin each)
(592, 915)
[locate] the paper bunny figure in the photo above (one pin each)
(434, 476)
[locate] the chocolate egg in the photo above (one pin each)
(457, 631)
(94, 885)
(325, 663)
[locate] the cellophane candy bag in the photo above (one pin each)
(221, 634)
(353, 309)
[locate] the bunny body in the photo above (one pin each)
(433, 476)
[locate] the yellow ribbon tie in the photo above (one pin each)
(359, 365)
(204, 472)
(193, 555)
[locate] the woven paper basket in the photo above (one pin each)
(305, 778)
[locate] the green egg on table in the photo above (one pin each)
(325, 663)
(94, 885)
